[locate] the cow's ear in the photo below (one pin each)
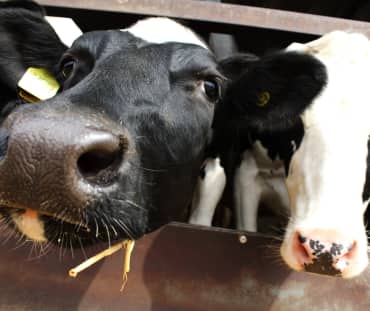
(233, 67)
(272, 92)
(26, 40)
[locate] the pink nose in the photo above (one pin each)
(321, 255)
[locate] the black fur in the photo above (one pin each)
(151, 95)
(292, 81)
(26, 40)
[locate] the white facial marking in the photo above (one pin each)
(208, 193)
(162, 30)
(31, 227)
(66, 29)
(327, 172)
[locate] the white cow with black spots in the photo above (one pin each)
(326, 106)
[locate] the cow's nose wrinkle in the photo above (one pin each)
(100, 163)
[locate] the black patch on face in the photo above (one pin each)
(282, 144)
(290, 79)
(272, 92)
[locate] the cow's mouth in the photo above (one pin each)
(47, 227)
(92, 227)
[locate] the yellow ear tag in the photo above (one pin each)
(37, 84)
(263, 99)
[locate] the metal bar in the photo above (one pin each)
(221, 13)
(179, 267)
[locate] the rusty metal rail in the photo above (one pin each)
(180, 268)
(220, 13)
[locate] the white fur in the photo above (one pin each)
(208, 193)
(247, 193)
(327, 173)
(258, 179)
(66, 29)
(162, 30)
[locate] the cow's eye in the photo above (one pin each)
(68, 67)
(212, 89)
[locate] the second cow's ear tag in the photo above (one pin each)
(37, 84)
(263, 99)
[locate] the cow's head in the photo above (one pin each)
(327, 173)
(322, 85)
(116, 153)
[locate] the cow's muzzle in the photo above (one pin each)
(326, 251)
(58, 164)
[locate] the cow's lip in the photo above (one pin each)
(54, 217)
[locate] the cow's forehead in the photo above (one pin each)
(346, 57)
(338, 46)
(163, 30)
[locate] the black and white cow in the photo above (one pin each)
(315, 133)
(117, 152)
(256, 151)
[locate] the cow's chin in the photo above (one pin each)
(43, 228)
(31, 226)
(347, 267)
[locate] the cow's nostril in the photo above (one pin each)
(301, 239)
(99, 167)
(350, 251)
(100, 164)
(300, 251)
(93, 162)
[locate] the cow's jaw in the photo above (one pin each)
(327, 173)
